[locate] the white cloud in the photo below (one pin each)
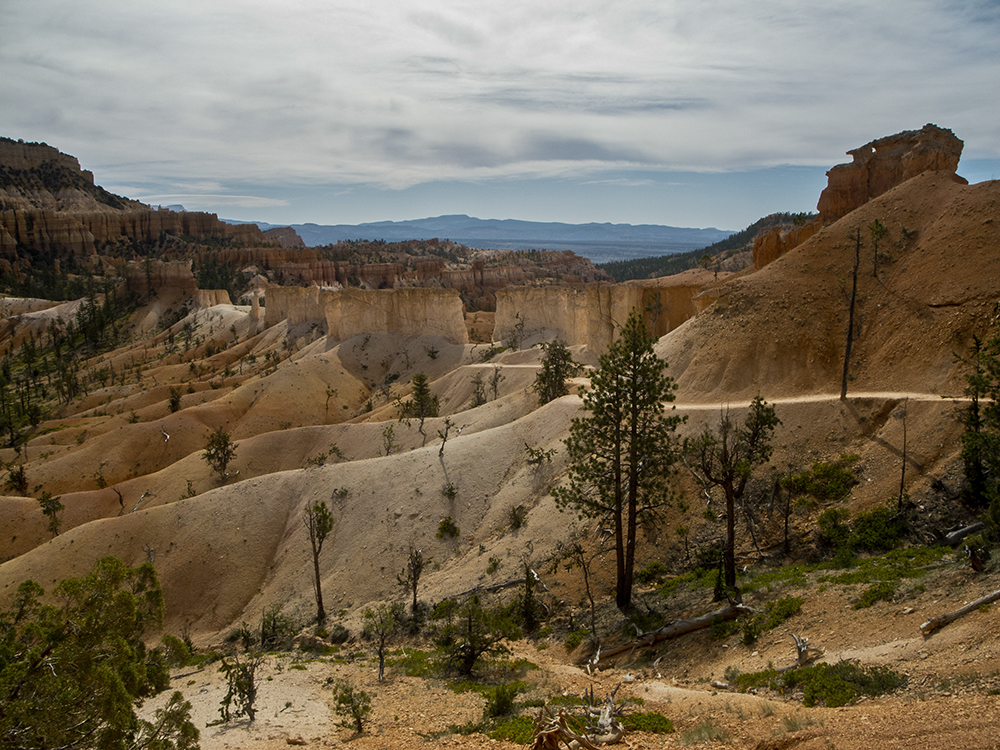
(396, 94)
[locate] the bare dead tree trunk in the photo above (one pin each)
(679, 628)
(902, 470)
(852, 299)
(941, 620)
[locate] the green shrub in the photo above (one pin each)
(878, 530)
(824, 481)
(833, 529)
(277, 630)
(882, 591)
(575, 638)
(412, 663)
(447, 529)
(518, 730)
(654, 572)
(832, 685)
(779, 611)
(648, 721)
(352, 705)
(500, 700)
(722, 629)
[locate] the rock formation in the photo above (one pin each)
(50, 204)
(349, 312)
(591, 314)
(882, 164)
(877, 167)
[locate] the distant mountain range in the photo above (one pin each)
(599, 242)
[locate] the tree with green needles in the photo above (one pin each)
(220, 451)
(73, 673)
(622, 452)
(421, 405)
(51, 507)
(557, 367)
(381, 623)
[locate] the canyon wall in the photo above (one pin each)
(87, 233)
(591, 314)
(350, 312)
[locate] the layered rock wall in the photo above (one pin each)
(591, 314)
(877, 167)
(87, 233)
(350, 312)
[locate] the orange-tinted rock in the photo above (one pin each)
(771, 245)
(884, 163)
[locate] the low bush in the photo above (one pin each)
(883, 591)
(825, 480)
(654, 572)
(878, 530)
(648, 721)
(831, 685)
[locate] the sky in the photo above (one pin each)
(697, 114)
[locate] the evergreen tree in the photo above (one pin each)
(422, 403)
(622, 451)
(72, 674)
(319, 523)
(220, 450)
(557, 367)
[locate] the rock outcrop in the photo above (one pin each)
(284, 236)
(880, 165)
(350, 312)
(877, 167)
(591, 314)
(88, 233)
(51, 205)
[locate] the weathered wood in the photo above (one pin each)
(678, 628)
(953, 538)
(940, 621)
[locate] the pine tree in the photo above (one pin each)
(622, 452)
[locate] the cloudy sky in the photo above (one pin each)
(708, 113)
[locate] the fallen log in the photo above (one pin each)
(678, 628)
(954, 537)
(940, 621)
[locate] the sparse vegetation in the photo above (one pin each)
(352, 705)
(220, 451)
(621, 454)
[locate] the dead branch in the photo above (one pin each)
(804, 653)
(940, 621)
(680, 627)
(492, 587)
(954, 536)
(552, 731)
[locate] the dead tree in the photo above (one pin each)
(852, 334)
(679, 628)
(935, 623)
